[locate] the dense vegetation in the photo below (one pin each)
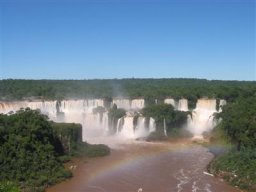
(238, 125)
(69, 134)
(32, 150)
(114, 114)
(237, 167)
(164, 113)
(29, 151)
(21, 136)
(239, 122)
(147, 88)
(7, 186)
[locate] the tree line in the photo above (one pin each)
(12, 89)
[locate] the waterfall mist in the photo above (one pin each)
(202, 118)
(99, 127)
(93, 115)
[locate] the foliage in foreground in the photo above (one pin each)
(29, 151)
(236, 167)
(238, 127)
(70, 135)
(239, 122)
(32, 150)
(7, 186)
(96, 150)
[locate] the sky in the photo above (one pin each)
(102, 39)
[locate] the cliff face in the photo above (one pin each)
(96, 123)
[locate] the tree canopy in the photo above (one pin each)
(148, 88)
(163, 112)
(239, 122)
(29, 150)
(33, 149)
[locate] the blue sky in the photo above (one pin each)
(75, 39)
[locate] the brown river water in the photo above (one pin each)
(146, 167)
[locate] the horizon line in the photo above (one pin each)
(125, 78)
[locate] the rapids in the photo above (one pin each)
(146, 167)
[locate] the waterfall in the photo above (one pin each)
(97, 123)
(137, 103)
(127, 104)
(165, 133)
(81, 106)
(70, 111)
(122, 103)
(170, 101)
(141, 130)
(222, 103)
(105, 122)
(127, 128)
(202, 117)
(46, 107)
(120, 124)
(94, 124)
(8, 107)
(152, 125)
(183, 105)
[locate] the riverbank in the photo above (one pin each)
(150, 167)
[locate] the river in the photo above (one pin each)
(146, 167)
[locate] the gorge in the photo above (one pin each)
(151, 127)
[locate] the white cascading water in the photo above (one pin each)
(46, 107)
(81, 111)
(170, 101)
(183, 105)
(80, 106)
(140, 129)
(137, 104)
(9, 107)
(122, 103)
(152, 125)
(165, 132)
(119, 126)
(105, 122)
(71, 111)
(222, 103)
(202, 117)
(127, 129)
(96, 124)
(127, 104)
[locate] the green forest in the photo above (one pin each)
(238, 128)
(33, 150)
(133, 88)
(173, 119)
